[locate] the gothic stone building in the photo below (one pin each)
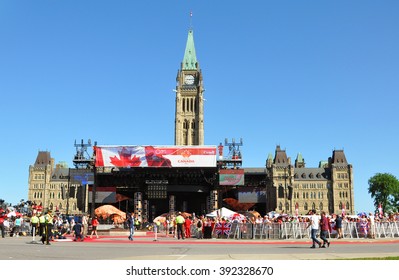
(328, 187)
(282, 186)
(48, 184)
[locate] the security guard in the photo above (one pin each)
(42, 224)
(34, 222)
(180, 222)
(48, 227)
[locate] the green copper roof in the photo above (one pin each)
(190, 59)
(299, 157)
(270, 156)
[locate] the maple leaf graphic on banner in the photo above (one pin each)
(125, 159)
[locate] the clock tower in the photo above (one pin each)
(189, 113)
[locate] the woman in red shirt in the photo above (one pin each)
(94, 224)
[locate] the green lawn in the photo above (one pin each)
(384, 258)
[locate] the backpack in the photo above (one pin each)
(199, 224)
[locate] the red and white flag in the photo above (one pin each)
(380, 210)
(343, 210)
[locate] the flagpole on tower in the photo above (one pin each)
(191, 20)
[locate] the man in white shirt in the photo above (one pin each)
(372, 225)
(314, 227)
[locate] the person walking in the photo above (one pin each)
(324, 228)
(94, 224)
(131, 222)
(314, 226)
(180, 222)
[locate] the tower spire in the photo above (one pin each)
(190, 58)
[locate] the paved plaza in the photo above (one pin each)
(168, 248)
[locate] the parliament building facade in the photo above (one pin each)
(281, 185)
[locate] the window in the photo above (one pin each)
(305, 206)
(280, 206)
(280, 191)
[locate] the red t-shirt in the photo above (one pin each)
(94, 222)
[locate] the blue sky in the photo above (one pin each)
(310, 76)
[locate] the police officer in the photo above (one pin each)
(180, 222)
(42, 224)
(48, 227)
(34, 222)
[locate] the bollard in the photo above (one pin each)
(155, 232)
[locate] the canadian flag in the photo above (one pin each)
(343, 210)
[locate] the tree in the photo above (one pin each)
(384, 189)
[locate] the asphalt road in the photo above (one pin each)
(145, 248)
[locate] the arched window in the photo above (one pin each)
(280, 206)
(347, 205)
(280, 191)
(305, 206)
(321, 206)
(287, 206)
(313, 205)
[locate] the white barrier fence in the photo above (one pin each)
(299, 230)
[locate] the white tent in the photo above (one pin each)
(224, 213)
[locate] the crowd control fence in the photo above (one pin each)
(300, 230)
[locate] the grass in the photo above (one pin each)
(377, 259)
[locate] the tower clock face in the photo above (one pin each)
(189, 79)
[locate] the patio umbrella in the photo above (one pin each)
(109, 211)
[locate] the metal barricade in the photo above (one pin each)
(299, 230)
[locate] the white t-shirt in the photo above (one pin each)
(314, 219)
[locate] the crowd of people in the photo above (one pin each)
(49, 226)
(183, 226)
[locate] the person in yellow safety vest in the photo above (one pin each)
(48, 227)
(34, 222)
(136, 222)
(42, 224)
(180, 222)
